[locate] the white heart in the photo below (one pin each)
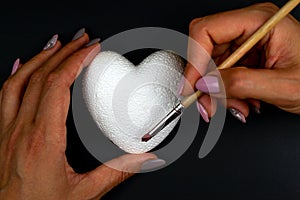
(126, 101)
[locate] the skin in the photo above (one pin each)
(270, 72)
(34, 103)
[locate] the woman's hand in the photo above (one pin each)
(34, 103)
(270, 72)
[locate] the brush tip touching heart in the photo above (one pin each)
(126, 101)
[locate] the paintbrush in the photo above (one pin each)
(229, 62)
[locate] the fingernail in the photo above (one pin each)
(89, 58)
(180, 86)
(15, 66)
(202, 112)
(255, 109)
(94, 41)
(79, 34)
(208, 84)
(237, 114)
(152, 164)
(51, 43)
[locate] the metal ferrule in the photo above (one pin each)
(173, 114)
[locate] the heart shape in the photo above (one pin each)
(126, 101)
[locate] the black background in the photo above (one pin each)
(257, 160)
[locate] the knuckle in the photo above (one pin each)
(34, 144)
(9, 85)
(37, 77)
(52, 80)
(195, 24)
(12, 140)
(36, 139)
(124, 175)
(236, 83)
(36, 59)
(270, 6)
(267, 7)
(68, 48)
(293, 94)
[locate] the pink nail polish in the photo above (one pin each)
(15, 66)
(202, 112)
(152, 164)
(180, 86)
(92, 42)
(79, 34)
(89, 58)
(208, 84)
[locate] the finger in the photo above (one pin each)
(39, 78)
(275, 86)
(209, 31)
(13, 89)
(101, 180)
(220, 49)
(212, 85)
(254, 105)
(207, 107)
(238, 108)
(55, 99)
(191, 75)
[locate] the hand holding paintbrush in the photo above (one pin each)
(230, 61)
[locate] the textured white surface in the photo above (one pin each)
(126, 101)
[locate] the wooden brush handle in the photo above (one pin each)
(187, 101)
(259, 34)
(248, 44)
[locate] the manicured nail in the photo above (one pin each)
(180, 86)
(15, 66)
(208, 84)
(79, 34)
(237, 114)
(152, 164)
(51, 43)
(255, 109)
(89, 58)
(94, 41)
(202, 112)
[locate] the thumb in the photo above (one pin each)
(98, 182)
(275, 86)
